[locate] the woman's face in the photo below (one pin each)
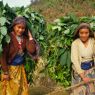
(84, 34)
(19, 29)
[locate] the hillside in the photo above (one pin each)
(52, 9)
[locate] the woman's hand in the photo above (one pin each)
(86, 79)
(6, 77)
(30, 35)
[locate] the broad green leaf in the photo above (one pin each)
(4, 11)
(68, 43)
(1, 4)
(2, 21)
(1, 49)
(26, 15)
(92, 24)
(85, 19)
(63, 58)
(41, 37)
(56, 27)
(61, 51)
(1, 37)
(32, 15)
(3, 30)
(73, 28)
(7, 38)
(69, 59)
(67, 31)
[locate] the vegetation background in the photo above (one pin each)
(52, 23)
(53, 9)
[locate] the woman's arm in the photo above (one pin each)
(75, 58)
(4, 65)
(3, 59)
(30, 44)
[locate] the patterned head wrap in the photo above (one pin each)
(18, 20)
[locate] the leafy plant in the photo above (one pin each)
(5, 14)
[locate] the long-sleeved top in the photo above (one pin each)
(11, 49)
(81, 53)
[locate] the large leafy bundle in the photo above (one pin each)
(6, 16)
(60, 37)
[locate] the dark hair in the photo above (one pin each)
(83, 26)
(19, 20)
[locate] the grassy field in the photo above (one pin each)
(53, 9)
